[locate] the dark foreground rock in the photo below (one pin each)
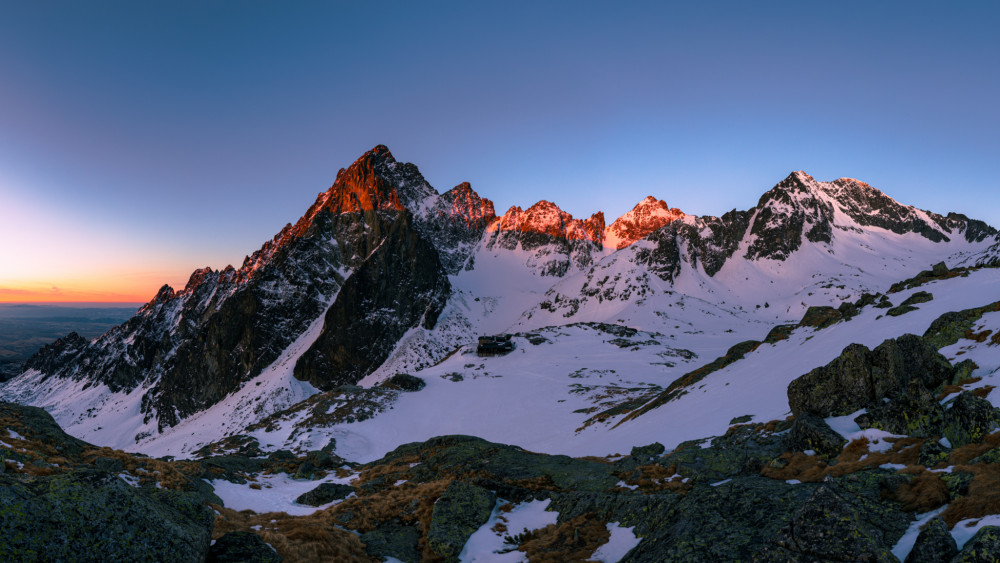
(933, 544)
(89, 515)
(860, 377)
(325, 493)
(460, 511)
(242, 547)
(982, 548)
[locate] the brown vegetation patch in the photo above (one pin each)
(399, 469)
(295, 538)
(957, 388)
(411, 503)
(964, 454)
(855, 457)
(654, 478)
(982, 392)
(926, 491)
(978, 336)
(983, 498)
(573, 540)
(150, 471)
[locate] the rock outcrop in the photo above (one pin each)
(400, 286)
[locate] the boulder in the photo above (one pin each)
(90, 515)
(810, 432)
(460, 511)
(242, 547)
(393, 539)
(843, 520)
(324, 494)
(969, 419)
(913, 411)
(934, 544)
(933, 453)
(860, 377)
(984, 547)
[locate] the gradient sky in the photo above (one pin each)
(140, 140)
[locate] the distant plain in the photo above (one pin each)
(25, 328)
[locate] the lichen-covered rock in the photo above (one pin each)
(37, 424)
(933, 453)
(325, 493)
(992, 456)
(810, 432)
(984, 547)
(957, 483)
(820, 317)
(729, 522)
(460, 511)
(242, 547)
(500, 465)
(908, 304)
(969, 419)
(950, 327)
(843, 520)
(230, 467)
(88, 515)
(912, 411)
(742, 450)
(860, 377)
(640, 455)
(934, 544)
(393, 539)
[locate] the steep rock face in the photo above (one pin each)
(195, 346)
(785, 215)
(647, 216)
(708, 241)
(455, 222)
(402, 285)
(556, 240)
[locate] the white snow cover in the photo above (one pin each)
(487, 546)
(277, 493)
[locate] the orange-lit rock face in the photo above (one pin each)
(463, 202)
(546, 218)
(647, 216)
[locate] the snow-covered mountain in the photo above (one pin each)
(384, 275)
(750, 386)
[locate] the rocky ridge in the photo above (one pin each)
(373, 259)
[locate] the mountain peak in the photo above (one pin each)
(647, 216)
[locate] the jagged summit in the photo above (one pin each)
(546, 218)
(647, 216)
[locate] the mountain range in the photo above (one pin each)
(353, 332)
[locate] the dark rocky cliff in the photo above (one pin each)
(402, 285)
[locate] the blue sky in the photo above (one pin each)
(139, 141)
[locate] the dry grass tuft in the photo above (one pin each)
(411, 503)
(399, 469)
(978, 336)
(964, 454)
(925, 492)
(573, 540)
(855, 457)
(982, 392)
(296, 538)
(983, 498)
